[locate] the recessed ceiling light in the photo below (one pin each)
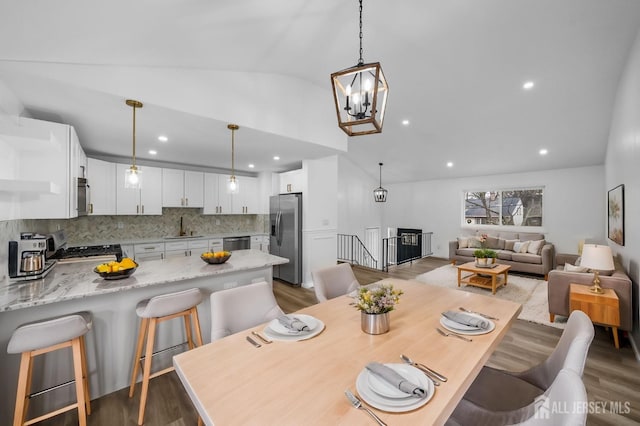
(163, 138)
(251, 166)
(449, 164)
(528, 85)
(153, 152)
(543, 151)
(405, 122)
(276, 157)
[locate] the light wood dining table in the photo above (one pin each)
(232, 382)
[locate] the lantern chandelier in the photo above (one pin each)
(360, 95)
(132, 174)
(380, 194)
(232, 185)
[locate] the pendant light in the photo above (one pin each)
(360, 96)
(380, 194)
(132, 174)
(233, 185)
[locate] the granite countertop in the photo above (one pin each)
(76, 280)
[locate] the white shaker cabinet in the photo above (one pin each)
(144, 201)
(215, 244)
(217, 199)
(182, 188)
(247, 200)
(101, 176)
(293, 181)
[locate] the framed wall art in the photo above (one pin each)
(616, 214)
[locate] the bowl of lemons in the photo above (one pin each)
(215, 257)
(116, 270)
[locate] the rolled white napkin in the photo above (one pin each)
(293, 323)
(466, 319)
(396, 380)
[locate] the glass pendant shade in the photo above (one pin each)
(132, 178)
(132, 174)
(233, 187)
(380, 194)
(360, 95)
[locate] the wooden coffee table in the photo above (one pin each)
(483, 277)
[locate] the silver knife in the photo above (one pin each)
(253, 342)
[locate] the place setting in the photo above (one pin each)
(465, 323)
(394, 388)
(293, 328)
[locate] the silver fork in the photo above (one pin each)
(355, 401)
(453, 334)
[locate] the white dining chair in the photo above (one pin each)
(334, 281)
(501, 390)
(243, 307)
(564, 403)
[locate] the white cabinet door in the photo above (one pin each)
(217, 199)
(151, 191)
(210, 205)
(248, 197)
(215, 244)
(172, 188)
(101, 176)
(146, 200)
(193, 188)
(293, 181)
(175, 249)
(197, 247)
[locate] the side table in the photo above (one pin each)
(603, 309)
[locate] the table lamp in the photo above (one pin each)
(597, 258)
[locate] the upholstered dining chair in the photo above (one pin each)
(564, 403)
(499, 390)
(243, 307)
(334, 281)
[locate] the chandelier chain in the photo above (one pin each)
(360, 61)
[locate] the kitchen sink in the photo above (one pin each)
(182, 237)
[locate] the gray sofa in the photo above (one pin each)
(559, 281)
(540, 262)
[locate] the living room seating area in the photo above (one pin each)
(524, 252)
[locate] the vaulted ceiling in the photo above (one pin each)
(455, 69)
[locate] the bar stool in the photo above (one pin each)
(41, 337)
(151, 312)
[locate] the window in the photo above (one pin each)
(510, 207)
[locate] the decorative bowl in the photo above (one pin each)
(215, 260)
(118, 275)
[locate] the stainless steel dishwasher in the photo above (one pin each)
(236, 243)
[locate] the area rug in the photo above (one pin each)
(530, 292)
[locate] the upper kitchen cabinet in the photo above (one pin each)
(217, 199)
(46, 162)
(101, 177)
(247, 200)
(293, 181)
(182, 188)
(144, 201)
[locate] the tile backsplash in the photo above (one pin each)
(98, 229)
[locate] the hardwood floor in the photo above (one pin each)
(611, 376)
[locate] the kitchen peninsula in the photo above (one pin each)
(75, 287)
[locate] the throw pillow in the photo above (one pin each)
(535, 247)
(571, 268)
(508, 244)
(474, 243)
(492, 243)
(521, 246)
(578, 260)
(463, 242)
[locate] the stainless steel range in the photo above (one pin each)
(94, 253)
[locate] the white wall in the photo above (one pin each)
(356, 208)
(621, 167)
(320, 215)
(574, 207)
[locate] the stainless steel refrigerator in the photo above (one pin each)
(285, 214)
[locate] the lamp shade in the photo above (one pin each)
(597, 257)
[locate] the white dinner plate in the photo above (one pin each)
(384, 388)
(465, 329)
(277, 327)
(394, 405)
(294, 337)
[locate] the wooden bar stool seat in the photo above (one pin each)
(151, 312)
(39, 338)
